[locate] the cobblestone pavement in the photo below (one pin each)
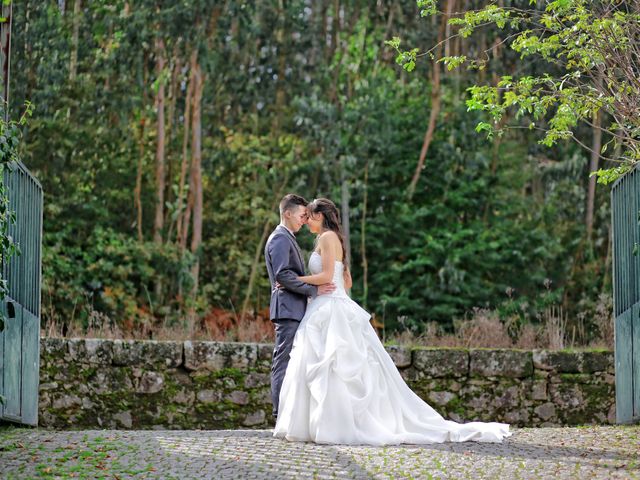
(548, 453)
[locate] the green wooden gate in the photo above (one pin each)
(20, 337)
(625, 208)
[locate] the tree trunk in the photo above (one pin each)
(196, 172)
(363, 231)
(184, 164)
(335, 27)
(141, 149)
(281, 39)
(138, 189)
(435, 107)
(169, 134)
(75, 40)
(593, 166)
(325, 29)
(346, 231)
(186, 219)
(447, 28)
(608, 267)
(158, 222)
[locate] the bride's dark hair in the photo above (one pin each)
(331, 221)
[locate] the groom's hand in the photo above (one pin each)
(326, 288)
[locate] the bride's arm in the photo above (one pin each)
(328, 261)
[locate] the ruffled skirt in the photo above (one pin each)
(342, 387)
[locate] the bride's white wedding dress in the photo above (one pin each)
(341, 386)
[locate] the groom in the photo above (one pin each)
(288, 304)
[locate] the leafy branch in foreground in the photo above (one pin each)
(593, 46)
(9, 141)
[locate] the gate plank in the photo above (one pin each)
(30, 367)
(624, 387)
(634, 340)
(3, 311)
(13, 362)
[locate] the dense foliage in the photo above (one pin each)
(593, 59)
(295, 96)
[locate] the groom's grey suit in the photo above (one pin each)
(288, 304)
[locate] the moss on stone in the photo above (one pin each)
(108, 390)
(456, 405)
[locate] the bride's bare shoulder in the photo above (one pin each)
(329, 237)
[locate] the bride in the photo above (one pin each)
(341, 386)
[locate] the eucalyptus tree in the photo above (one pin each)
(595, 47)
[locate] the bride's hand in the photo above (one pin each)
(326, 288)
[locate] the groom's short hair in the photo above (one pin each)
(290, 202)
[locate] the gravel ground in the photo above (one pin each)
(540, 453)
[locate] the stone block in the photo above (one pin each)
(254, 379)
(147, 353)
(184, 397)
(539, 390)
(517, 417)
(90, 350)
(500, 363)
(124, 419)
(441, 398)
(560, 361)
(510, 398)
(611, 416)
(566, 396)
(44, 400)
(150, 382)
(52, 349)
(208, 396)
(546, 411)
(262, 396)
(401, 356)
(255, 418)
(67, 401)
(238, 397)
(109, 380)
(481, 402)
(442, 362)
(265, 352)
(48, 386)
(217, 355)
(180, 377)
(596, 361)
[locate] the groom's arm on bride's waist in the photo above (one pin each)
(280, 251)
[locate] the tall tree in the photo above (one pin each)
(158, 222)
(596, 148)
(75, 39)
(436, 100)
(196, 169)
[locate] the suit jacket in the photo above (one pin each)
(285, 265)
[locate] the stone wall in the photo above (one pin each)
(210, 385)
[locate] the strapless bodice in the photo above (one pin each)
(315, 267)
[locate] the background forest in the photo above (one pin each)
(165, 133)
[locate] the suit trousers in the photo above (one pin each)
(285, 331)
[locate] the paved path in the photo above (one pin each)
(589, 452)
